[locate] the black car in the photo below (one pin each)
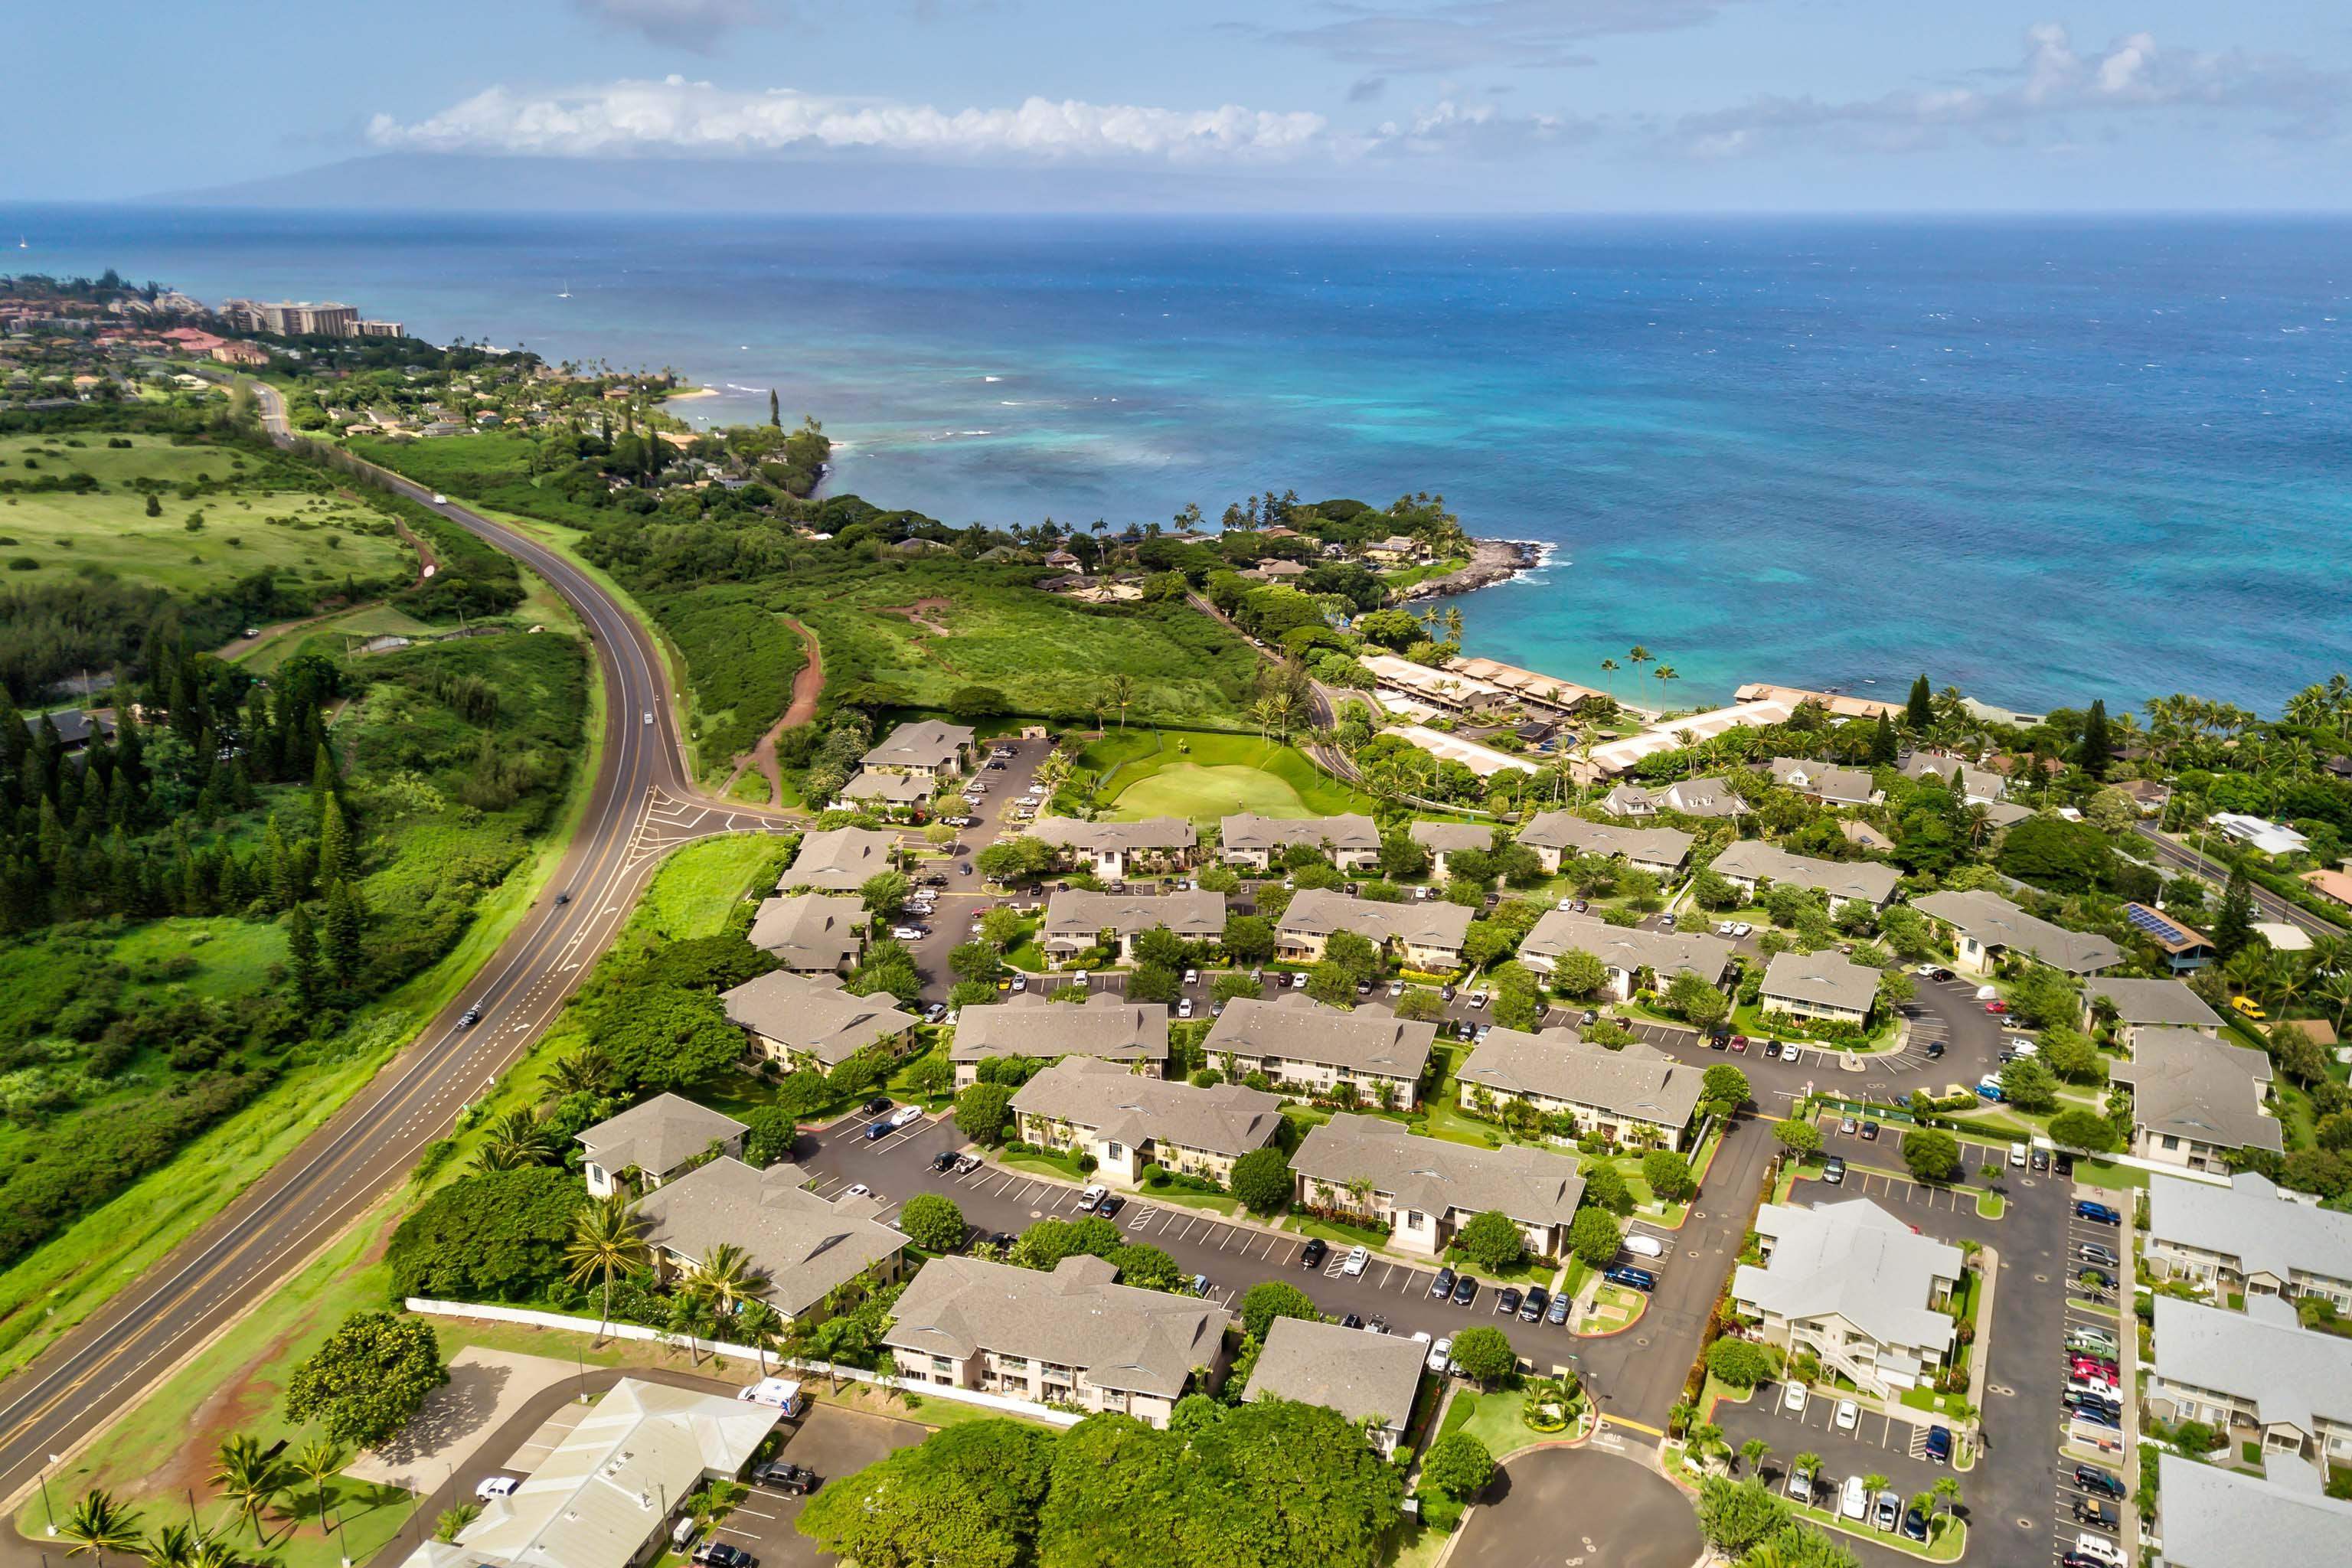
(471, 1016)
(2098, 1482)
(2041, 1160)
(1531, 1311)
(1506, 1301)
(787, 1477)
(1466, 1290)
(1003, 1238)
(1833, 1170)
(1915, 1525)
(945, 1163)
(1350, 1321)
(718, 1555)
(1870, 1131)
(1109, 1208)
(965, 868)
(2082, 1560)
(1631, 1278)
(1939, 1445)
(877, 1106)
(1443, 1286)
(1311, 1256)
(1934, 1050)
(2100, 1514)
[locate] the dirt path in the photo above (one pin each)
(808, 681)
(920, 613)
(237, 648)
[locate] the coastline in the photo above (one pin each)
(1492, 560)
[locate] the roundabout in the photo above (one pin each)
(1579, 1508)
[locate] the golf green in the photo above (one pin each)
(1187, 789)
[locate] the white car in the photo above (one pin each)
(440, 499)
(1091, 1198)
(1396, 987)
(1645, 1246)
(1800, 1484)
(1848, 1414)
(906, 1114)
(1020, 982)
(1441, 1354)
(1792, 1398)
(2017, 1153)
(1726, 929)
(1743, 928)
(1298, 980)
(906, 933)
(1855, 1504)
(857, 1190)
(1184, 1007)
(494, 1486)
(1354, 1263)
(1081, 978)
(1191, 977)
(1477, 999)
(2100, 1547)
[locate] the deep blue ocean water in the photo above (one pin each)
(2042, 460)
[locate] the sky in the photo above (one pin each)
(1370, 105)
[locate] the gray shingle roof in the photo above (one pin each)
(1836, 786)
(1127, 1109)
(1565, 830)
(1351, 831)
(1866, 880)
(1424, 922)
(1823, 979)
(1357, 1374)
(2189, 1085)
(1636, 1081)
(1435, 1175)
(2249, 1221)
(1976, 784)
(898, 789)
(1147, 1341)
(2290, 1374)
(1628, 948)
(2214, 1518)
(1299, 1028)
(806, 1245)
(1105, 1025)
(804, 1014)
(1077, 916)
(929, 743)
(838, 859)
(657, 1134)
(2153, 1002)
(1994, 922)
(1446, 838)
(1153, 832)
(809, 931)
(1855, 1259)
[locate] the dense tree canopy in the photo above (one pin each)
(967, 1495)
(365, 1384)
(497, 1236)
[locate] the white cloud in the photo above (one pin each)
(1453, 35)
(1476, 131)
(2051, 84)
(676, 116)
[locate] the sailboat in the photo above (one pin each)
(564, 293)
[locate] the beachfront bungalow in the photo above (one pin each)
(1751, 865)
(1127, 1121)
(1555, 835)
(1985, 929)
(1483, 760)
(1113, 850)
(1531, 687)
(1444, 689)
(1835, 704)
(1422, 1190)
(927, 749)
(1639, 1096)
(1620, 757)
(1253, 843)
(1425, 935)
(1626, 952)
(1396, 550)
(1304, 1049)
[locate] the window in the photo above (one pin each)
(1115, 1152)
(2169, 1141)
(1413, 1219)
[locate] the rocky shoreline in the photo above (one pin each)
(1492, 560)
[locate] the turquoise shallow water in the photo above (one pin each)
(2042, 461)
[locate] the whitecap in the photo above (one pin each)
(991, 378)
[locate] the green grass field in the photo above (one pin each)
(1205, 775)
(255, 523)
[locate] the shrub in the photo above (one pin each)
(932, 1222)
(1262, 1180)
(1459, 1466)
(1742, 1363)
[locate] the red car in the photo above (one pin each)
(1996, 1006)
(1739, 1042)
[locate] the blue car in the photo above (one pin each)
(878, 1130)
(1633, 1279)
(2098, 1213)
(1939, 1445)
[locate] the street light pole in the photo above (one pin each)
(47, 1508)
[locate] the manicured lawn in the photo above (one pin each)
(1184, 1198)
(1059, 1169)
(1203, 775)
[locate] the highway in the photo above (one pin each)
(642, 803)
(2267, 904)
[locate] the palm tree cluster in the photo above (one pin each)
(246, 1476)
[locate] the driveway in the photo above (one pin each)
(833, 1443)
(1579, 1508)
(486, 1389)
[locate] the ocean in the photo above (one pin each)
(2044, 461)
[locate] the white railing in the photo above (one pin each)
(528, 1318)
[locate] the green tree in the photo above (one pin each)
(886, 893)
(1742, 1363)
(1725, 1084)
(1919, 712)
(1044, 1244)
(1261, 1179)
(1261, 1303)
(1146, 1268)
(2068, 1052)
(345, 923)
(1492, 1241)
(1576, 973)
(1933, 1154)
(1735, 1516)
(2098, 744)
(501, 1235)
(1354, 954)
(302, 958)
(318, 1462)
(1484, 1356)
(1248, 939)
(1459, 1466)
(662, 1037)
(976, 961)
(980, 1111)
(932, 1222)
(1695, 1002)
(98, 1524)
(1799, 1137)
(608, 1240)
(965, 1495)
(365, 1384)
(2076, 1128)
(2233, 928)
(1669, 1174)
(2029, 1085)
(1605, 1188)
(1594, 1236)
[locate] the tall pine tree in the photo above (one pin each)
(344, 920)
(1883, 747)
(334, 842)
(303, 957)
(2235, 927)
(1919, 712)
(2098, 744)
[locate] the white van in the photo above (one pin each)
(1855, 1504)
(2100, 1547)
(1987, 993)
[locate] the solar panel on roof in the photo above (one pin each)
(2155, 924)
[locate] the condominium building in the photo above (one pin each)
(807, 1021)
(1751, 865)
(1638, 1095)
(1422, 1190)
(1352, 840)
(2248, 1238)
(2195, 1099)
(1424, 934)
(1128, 1120)
(1626, 952)
(1858, 1287)
(1555, 835)
(1984, 927)
(1113, 850)
(1305, 1048)
(2258, 1376)
(1106, 1025)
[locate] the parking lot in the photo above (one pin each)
(833, 1443)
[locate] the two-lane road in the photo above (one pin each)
(641, 802)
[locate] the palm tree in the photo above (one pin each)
(1679, 1415)
(1808, 1462)
(1874, 1483)
(1610, 667)
(317, 1462)
(98, 1524)
(171, 1547)
(693, 1316)
(761, 1327)
(1947, 1491)
(1752, 1452)
(249, 1478)
(1118, 691)
(1664, 673)
(1702, 1440)
(585, 1071)
(518, 1139)
(728, 1280)
(607, 1239)
(1453, 625)
(2338, 993)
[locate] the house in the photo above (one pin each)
(812, 933)
(1985, 928)
(2258, 1376)
(1424, 1189)
(76, 728)
(1064, 560)
(1750, 864)
(2194, 1100)
(1442, 690)
(659, 1139)
(2334, 886)
(1302, 1048)
(927, 749)
(1620, 757)
(1638, 1097)
(1443, 838)
(1626, 952)
(1836, 705)
(1126, 1121)
(2212, 1518)
(1555, 835)
(1855, 1286)
(2150, 796)
(2136, 1004)
(1425, 935)
(1352, 841)
(1371, 1380)
(1828, 784)
(1531, 687)
(2247, 1238)
(889, 793)
(1105, 1026)
(1069, 1337)
(1277, 571)
(2268, 837)
(1977, 786)
(840, 859)
(804, 1248)
(800, 1021)
(1112, 850)
(1713, 798)
(1482, 759)
(1076, 918)
(1395, 550)
(1824, 985)
(604, 1495)
(2184, 947)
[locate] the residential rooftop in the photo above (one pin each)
(802, 1013)
(1350, 830)
(1420, 922)
(807, 1246)
(839, 859)
(1359, 1374)
(1146, 1341)
(1565, 830)
(657, 1134)
(1152, 833)
(1824, 979)
(1452, 837)
(811, 930)
(1126, 1108)
(2292, 1376)
(926, 743)
(1994, 922)
(1105, 1025)
(2188, 1085)
(1856, 1261)
(1299, 1028)
(1873, 882)
(1436, 1175)
(1638, 1082)
(2213, 1518)
(2251, 1221)
(1629, 948)
(2138, 1002)
(1075, 916)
